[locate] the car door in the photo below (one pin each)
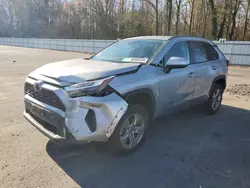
(204, 62)
(177, 85)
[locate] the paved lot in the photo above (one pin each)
(190, 149)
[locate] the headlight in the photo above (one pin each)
(88, 88)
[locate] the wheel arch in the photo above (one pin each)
(221, 80)
(143, 96)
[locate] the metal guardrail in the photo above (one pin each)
(236, 51)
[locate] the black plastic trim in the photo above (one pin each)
(136, 92)
(216, 79)
(236, 54)
(90, 119)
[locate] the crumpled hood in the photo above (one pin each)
(79, 70)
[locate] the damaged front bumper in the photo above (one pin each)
(84, 118)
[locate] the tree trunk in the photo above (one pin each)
(155, 7)
(235, 11)
(169, 16)
(229, 18)
(246, 20)
(157, 17)
(205, 18)
(178, 4)
(120, 33)
(191, 17)
(222, 25)
(185, 16)
(214, 19)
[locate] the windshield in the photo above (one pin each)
(129, 51)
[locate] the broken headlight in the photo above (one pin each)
(88, 88)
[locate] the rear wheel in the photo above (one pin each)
(215, 98)
(130, 131)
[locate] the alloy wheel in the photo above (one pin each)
(216, 99)
(132, 131)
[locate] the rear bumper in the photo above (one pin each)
(73, 124)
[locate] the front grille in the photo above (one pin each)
(45, 96)
(59, 129)
(46, 125)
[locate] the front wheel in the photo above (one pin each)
(215, 98)
(130, 131)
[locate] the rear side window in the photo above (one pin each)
(211, 52)
(202, 52)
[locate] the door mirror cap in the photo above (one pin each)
(175, 63)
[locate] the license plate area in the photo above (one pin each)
(47, 118)
(37, 111)
(44, 114)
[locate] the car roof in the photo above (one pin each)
(170, 38)
(149, 38)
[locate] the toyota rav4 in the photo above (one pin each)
(113, 96)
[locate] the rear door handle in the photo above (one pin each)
(214, 67)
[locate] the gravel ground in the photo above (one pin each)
(189, 149)
(239, 89)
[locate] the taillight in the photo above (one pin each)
(227, 62)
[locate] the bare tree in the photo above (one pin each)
(109, 19)
(104, 17)
(246, 20)
(178, 8)
(234, 14)
(169, 6)
(192, 4)
(155, 7)
(222, 24)
(214, 19)
(205, 16)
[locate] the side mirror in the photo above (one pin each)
(175, 63)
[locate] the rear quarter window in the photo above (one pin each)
(212, 54)
(202, 52)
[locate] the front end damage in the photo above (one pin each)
(58, 116)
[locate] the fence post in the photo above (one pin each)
(231, 52)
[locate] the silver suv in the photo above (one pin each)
(113, 96)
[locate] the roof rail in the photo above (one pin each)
(187, 36)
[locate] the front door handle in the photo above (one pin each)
(190, 74)
(214, 67)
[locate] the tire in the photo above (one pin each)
(126, 131)
(215, 98)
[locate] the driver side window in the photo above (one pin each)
(178, 50)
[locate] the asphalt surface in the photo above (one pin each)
(189, 149)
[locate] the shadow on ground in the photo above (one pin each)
(185, 150)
